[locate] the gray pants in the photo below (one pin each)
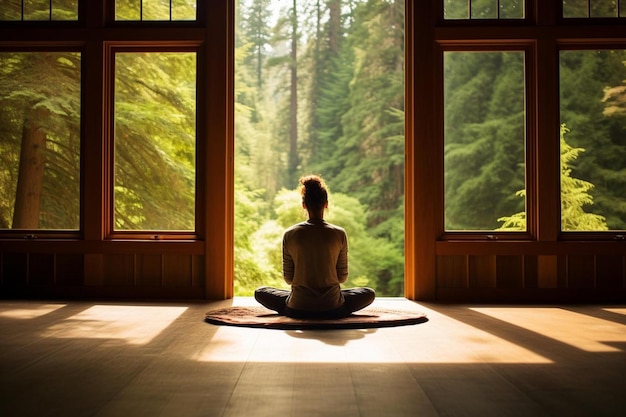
(276, 299)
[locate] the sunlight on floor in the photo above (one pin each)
(20, 311)
(441, 340)
(616, 310)
(578, 330)
(135, 325)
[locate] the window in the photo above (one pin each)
(483, 9)
(28, 10)
(324, 98)
(484, 140)
(593, 144)
(155, 141)
(155, 10)
(40, 94)
(594, 8)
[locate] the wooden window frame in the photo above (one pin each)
(544, 31)
(112, 48)
(96, 34)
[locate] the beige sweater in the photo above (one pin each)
(315, 262)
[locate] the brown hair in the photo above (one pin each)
(314, 192)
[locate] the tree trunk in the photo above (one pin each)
(30, 176)
(293, 131)
(334, 27)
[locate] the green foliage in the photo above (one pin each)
(350, 113)
(484, 137)
(155, 10)
(601, 132)
(574, 195)
(41, 91)
(155, 110)
(373, 261)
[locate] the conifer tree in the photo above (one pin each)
(574, 196)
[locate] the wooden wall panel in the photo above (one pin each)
(94, 269)
(14, 269)
(198, 271)
(610, 272)
(547, 271)
(41, 269)
(69, 269)
(149, 270)
(177, 270)
(452, 271)
(531, 272)
(482, 271)
(119, 269)
(581, 271)
(509, 271)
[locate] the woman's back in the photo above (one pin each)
(315, 262)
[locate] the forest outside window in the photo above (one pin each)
(483, 9)
(154, 141)
(32, 10)
(484, 141)
(40, 97)
(155, 10)
(593, 139)
(319, 88)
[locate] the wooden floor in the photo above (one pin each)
(150, 359)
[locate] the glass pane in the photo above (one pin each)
(40, 140)
(593, 140)
(183, 9)
(484, 166)
(338, 112)
(64, 9)
(11, 10)
(155, 141)
(39, 10)
(456, 9)
(155, 10)
(511, 9)
(604, 8)
(483, 9)
(575, 8)
(128, 10)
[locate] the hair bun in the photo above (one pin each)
(314, 192)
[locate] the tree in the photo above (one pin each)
(596, 127)
(350, 128)
(368, 161)
(484, 137)
(574, 195)
(155, 113)
(40, 142)
(255, 29)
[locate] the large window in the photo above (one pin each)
(593, 139)
(155, 141)
(320, 89)
(484, 140)
(40, 97)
